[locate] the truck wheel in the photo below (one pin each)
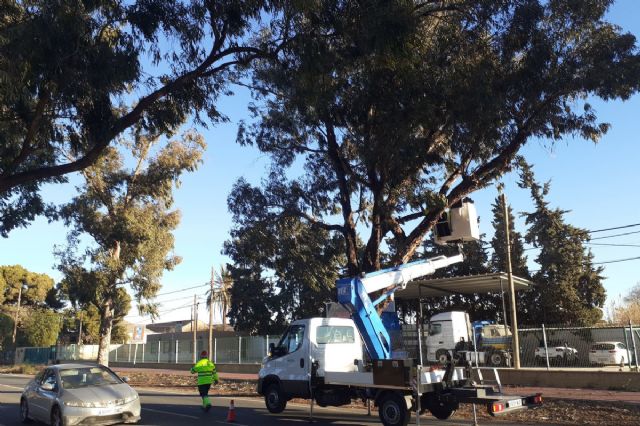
(392, 409)
(274, 399)
(441, 410)
(496, 359)
(441, 356)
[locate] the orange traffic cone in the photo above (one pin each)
(231, 415)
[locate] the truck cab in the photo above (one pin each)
(445, 331)
(333, 344)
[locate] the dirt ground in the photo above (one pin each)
(564, 411)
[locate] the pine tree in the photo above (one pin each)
(569, 287)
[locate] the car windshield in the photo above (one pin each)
(73, 378)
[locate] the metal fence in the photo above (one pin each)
(545, 346)
(226, 350)
(559, 346)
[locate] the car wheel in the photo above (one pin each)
(56, 417)
(274, 399)
(24, 411)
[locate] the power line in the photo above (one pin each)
(617, 260)
(181, 290)
(615, 235)
(612, 245)
(617, 227)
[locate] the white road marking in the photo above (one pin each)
(170, 412)
(12, 387)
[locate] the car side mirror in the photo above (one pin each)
(47, 386)
(272, 347)
(125, 379)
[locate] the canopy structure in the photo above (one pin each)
(484, 283)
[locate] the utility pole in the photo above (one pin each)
(15, 320)
(194, 327)
(515, 342)
(211, 315)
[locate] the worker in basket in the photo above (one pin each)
(207, 375)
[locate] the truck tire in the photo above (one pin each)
(496, 359)
(441, 356)
(274, 399)
(392, 409)
(441, 410)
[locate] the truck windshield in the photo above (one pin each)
(434, 328)
(292, 339)
(334, 334)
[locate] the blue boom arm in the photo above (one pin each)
(353, 294)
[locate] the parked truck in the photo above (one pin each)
(452, 334)
(332, 361)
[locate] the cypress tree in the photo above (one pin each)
(569, 287)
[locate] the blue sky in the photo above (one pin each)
(597, 183)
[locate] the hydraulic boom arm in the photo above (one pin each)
(353, 293)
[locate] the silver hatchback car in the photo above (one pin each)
(75, 394)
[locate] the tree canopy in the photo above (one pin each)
(379, 115)
(397, 114)
(126, 213)
(76, 75)
(39, 286)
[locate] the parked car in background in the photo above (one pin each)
(72, 394)
(608, 353)
(561, 354)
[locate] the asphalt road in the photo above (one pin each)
(160, 408)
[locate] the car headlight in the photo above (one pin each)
(81, 404)
(130, 398)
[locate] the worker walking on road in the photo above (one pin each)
(207, 375)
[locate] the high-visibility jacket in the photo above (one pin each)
(206, 370)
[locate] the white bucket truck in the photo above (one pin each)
(332, 361)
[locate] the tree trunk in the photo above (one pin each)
(106, 323)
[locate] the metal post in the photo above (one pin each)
(546, 350)
(215, 350)
(211, 313)
(177, 343)
(512, 292)
(418, 383)
(116, 353)
(194, 326)
(419, 324)
(129, 353)
(239, 349)
(266, 347)
(626, 343)
(158, 351)
(143, 348)
(633, 341)
(135, 354)
(80, 330)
